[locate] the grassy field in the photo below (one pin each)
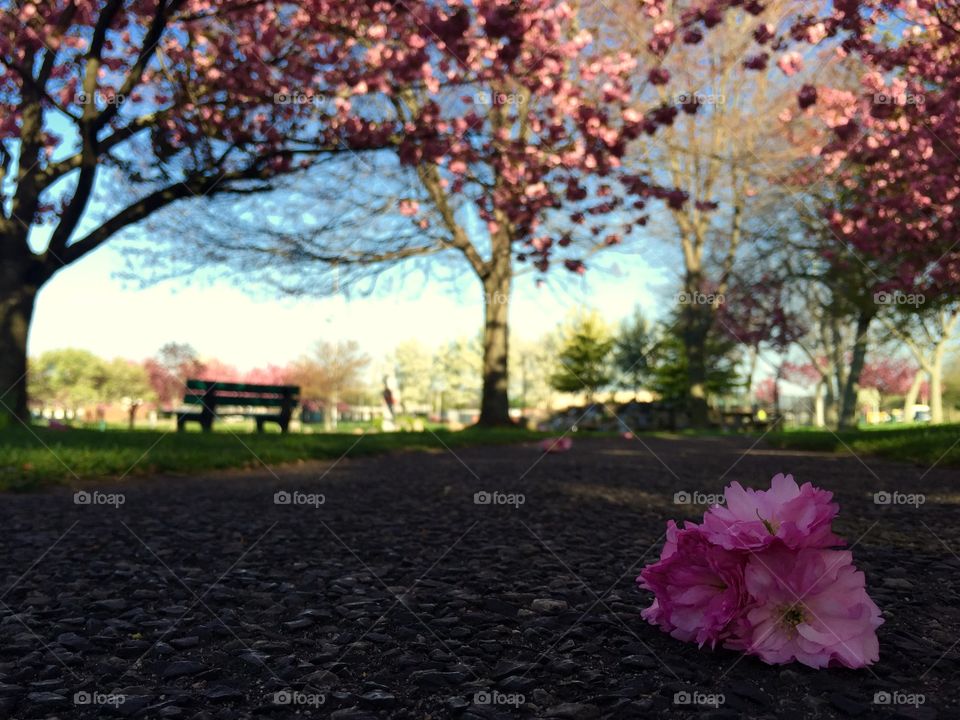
(38, 456)
(29, 458)
(923, 444)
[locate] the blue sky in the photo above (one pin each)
(87, 306)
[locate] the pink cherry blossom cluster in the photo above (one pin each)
(760, 575)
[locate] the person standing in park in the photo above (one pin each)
(388, 396)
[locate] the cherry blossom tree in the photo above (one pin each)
(169, 370)
(505, 151)
(889, 376)
(894, 147)
(891, 146)
(768, 392)
(113, 109)
(332, 371)
(721, 147)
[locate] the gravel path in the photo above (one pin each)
(383, 590)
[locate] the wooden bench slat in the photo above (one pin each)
(235, 401)
(241, 387)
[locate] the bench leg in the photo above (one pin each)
(181, 421)
(259, 425)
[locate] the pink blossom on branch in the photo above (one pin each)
(894, 147)
(501, 99)
(790, 63)
(889, 376)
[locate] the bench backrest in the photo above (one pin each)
(225, 393)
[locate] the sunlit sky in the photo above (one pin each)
(88, 306)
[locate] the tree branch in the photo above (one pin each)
(196, 186)
(430, 177)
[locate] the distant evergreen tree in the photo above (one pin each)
(633, 348)
(583, 363)
(669, 377)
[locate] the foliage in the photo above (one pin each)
(69, 378)
(168, 372)
(533, 362)
(951, 383)
(457, 370)
(583, 361)
(889, 376)
(632, 350)
(73, 378)
(331, 373)
(670, 378)
(496, 132)
(413, 370)
(127, 380)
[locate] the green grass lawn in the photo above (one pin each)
(923, 444)
(29, 458)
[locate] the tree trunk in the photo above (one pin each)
(16, 311)
(936, 387)
(911, 397)
(331, 414)
(754, 354)
(831, 417)
(839, 370)
(776, 398)
(819, 415)
(696, 326)
(494, 403)
(848, 408)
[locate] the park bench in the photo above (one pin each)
(221, 399)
